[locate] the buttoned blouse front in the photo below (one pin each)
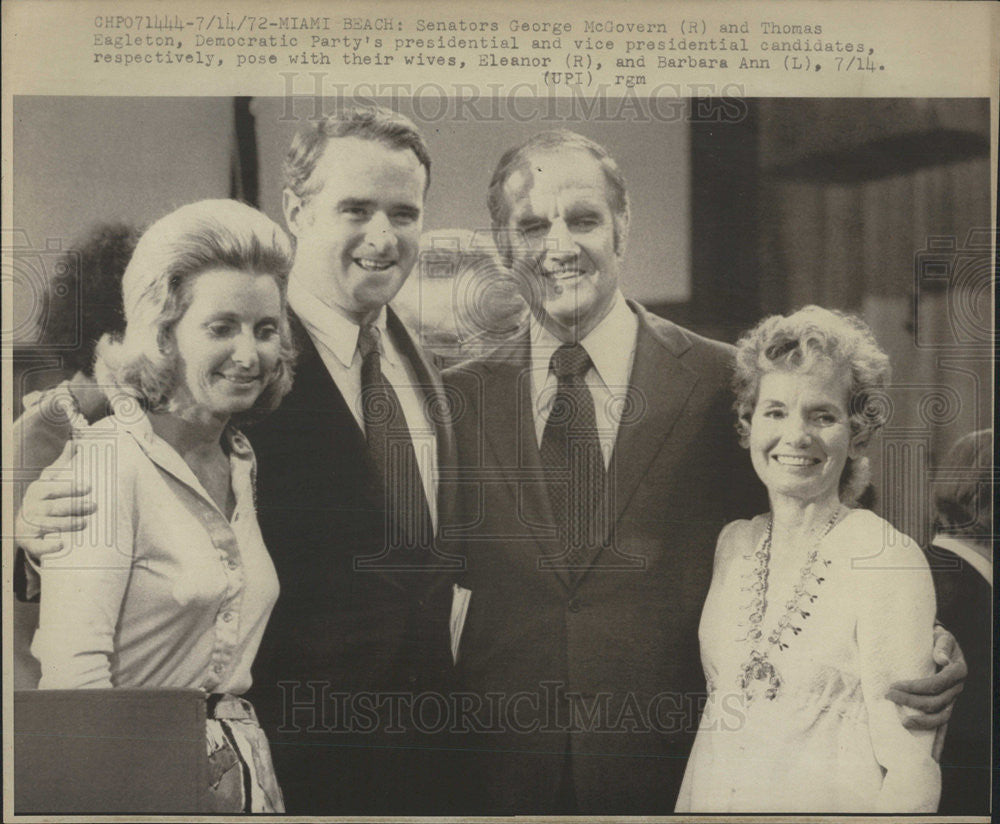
(160, 589)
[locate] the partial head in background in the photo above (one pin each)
(228, 264)
(354, 196)
(560, 214)
(86, 300)
(460, 298)
(965, 505)
(808, 389)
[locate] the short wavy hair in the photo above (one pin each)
(795, 343)
(557, 140)
(156, 293)
(965, 504)
(376, 123)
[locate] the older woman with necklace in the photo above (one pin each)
(815, 608)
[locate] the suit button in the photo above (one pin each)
(574, 604)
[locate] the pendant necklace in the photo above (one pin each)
(758, 666)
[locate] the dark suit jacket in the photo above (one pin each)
(607, 670)
(341, 638)
(964, 603)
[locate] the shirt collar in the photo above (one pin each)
(140, 428)
(609, 344)
(329, 327)
(963, 550)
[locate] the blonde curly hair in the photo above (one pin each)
(795, 343)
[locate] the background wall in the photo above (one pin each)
(79, 160)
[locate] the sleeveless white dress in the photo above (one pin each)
(828, 740)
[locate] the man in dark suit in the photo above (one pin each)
(597, 464)
(347, 495)
(961, 560)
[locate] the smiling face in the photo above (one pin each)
(563, 230)
(800, 433)
(357, 236)
(227, 342)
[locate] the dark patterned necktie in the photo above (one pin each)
(408, 520)
(574, 466)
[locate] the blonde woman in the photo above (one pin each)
(170, 584)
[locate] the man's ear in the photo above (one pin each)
(621, 235)
(292, 205)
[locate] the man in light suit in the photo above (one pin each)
(585, 580)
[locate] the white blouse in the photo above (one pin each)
(160, 589)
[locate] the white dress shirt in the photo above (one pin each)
(336, 340)
(611, 346)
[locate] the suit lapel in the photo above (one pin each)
(439, 410)
(440, 413)
(315, 392)
(658, 390)
(509, 423)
